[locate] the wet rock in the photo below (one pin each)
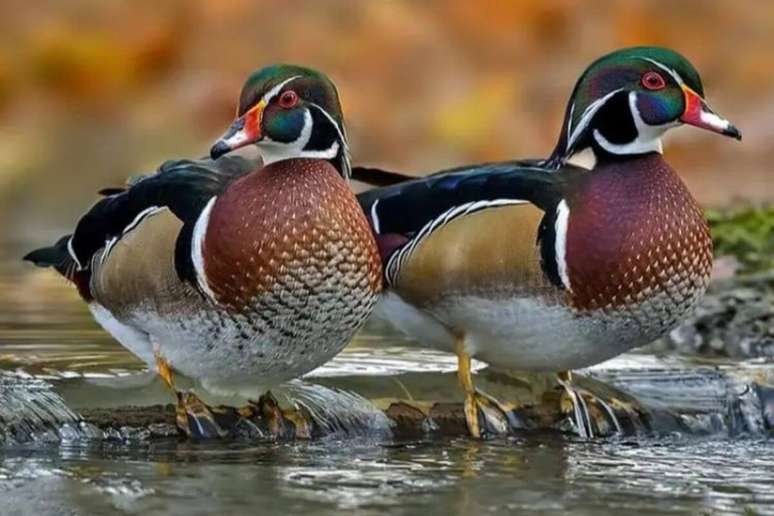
(622, 401)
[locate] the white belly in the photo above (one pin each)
(136, 341)
(517, 333)
(224, 355)
(229, 357)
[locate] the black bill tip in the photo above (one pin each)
(219, 149)
(733, 132)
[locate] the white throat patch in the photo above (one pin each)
(648, 136)
(584, 158)
(273, 151)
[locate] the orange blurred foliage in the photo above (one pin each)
(104, 89)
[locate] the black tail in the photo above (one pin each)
(377, 177)
(56, 256)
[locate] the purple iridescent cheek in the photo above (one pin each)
(657, 110)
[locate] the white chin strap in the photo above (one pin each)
(272, 151)
(648, 136)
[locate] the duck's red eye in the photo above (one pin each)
(653, 81)
(288, 99)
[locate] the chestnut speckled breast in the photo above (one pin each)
(637, 244)
(295, 229)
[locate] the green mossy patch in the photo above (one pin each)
(746, 233)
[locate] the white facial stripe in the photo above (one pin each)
(670, 71)
(648, 136)
(708, 118)
(587, 116)
(328, 153)
(633, 147)
(275, 90)
(342, 136)
(560, 243)
(273, 151)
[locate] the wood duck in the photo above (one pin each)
(562, 263)
(235, 276)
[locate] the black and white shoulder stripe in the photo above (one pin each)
(183, 186)
(399, 258)
(414, 209)
(405, 208)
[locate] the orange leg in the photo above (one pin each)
(165, 371)
(483, 414)
(194, 417)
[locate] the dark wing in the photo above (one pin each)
(407, 207)
(377, 177)
(401, 212)
(183, 186)
(111, 190)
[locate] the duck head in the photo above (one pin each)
(625, 101)
(289, 111)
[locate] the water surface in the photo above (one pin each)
(45, 332)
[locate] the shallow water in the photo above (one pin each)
(47, 334)
(540, 475)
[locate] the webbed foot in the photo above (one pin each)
(486, 417)
(271, 419)
(589, 414)
(199, 421)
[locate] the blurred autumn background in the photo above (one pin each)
(93, 91)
